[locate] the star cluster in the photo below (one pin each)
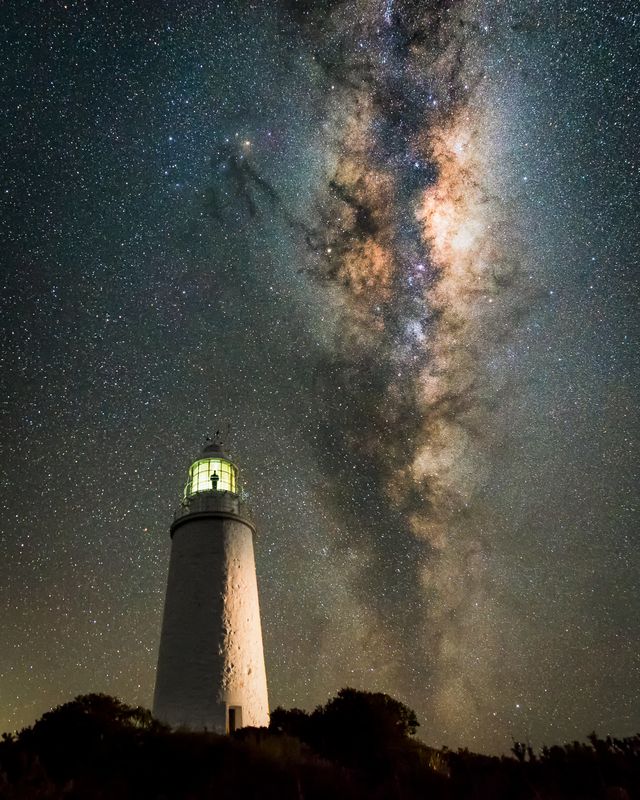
(393, 246)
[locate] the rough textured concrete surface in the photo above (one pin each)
(211, 655)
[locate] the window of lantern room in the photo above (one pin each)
(202, 472)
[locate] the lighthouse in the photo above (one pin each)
(211, 674)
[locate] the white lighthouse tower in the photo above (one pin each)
(211, 673)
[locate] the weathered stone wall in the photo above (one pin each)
(211, 652)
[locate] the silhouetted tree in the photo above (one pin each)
(363, 729)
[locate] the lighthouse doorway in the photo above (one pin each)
(234, 718)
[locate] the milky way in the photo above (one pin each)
(393, 245)
(429, 282)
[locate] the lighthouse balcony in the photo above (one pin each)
(211, 501)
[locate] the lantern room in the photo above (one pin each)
(212, 472)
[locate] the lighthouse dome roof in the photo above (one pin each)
(214, 450)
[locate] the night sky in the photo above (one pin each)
(393, 246)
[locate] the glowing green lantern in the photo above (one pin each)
(213, 472)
